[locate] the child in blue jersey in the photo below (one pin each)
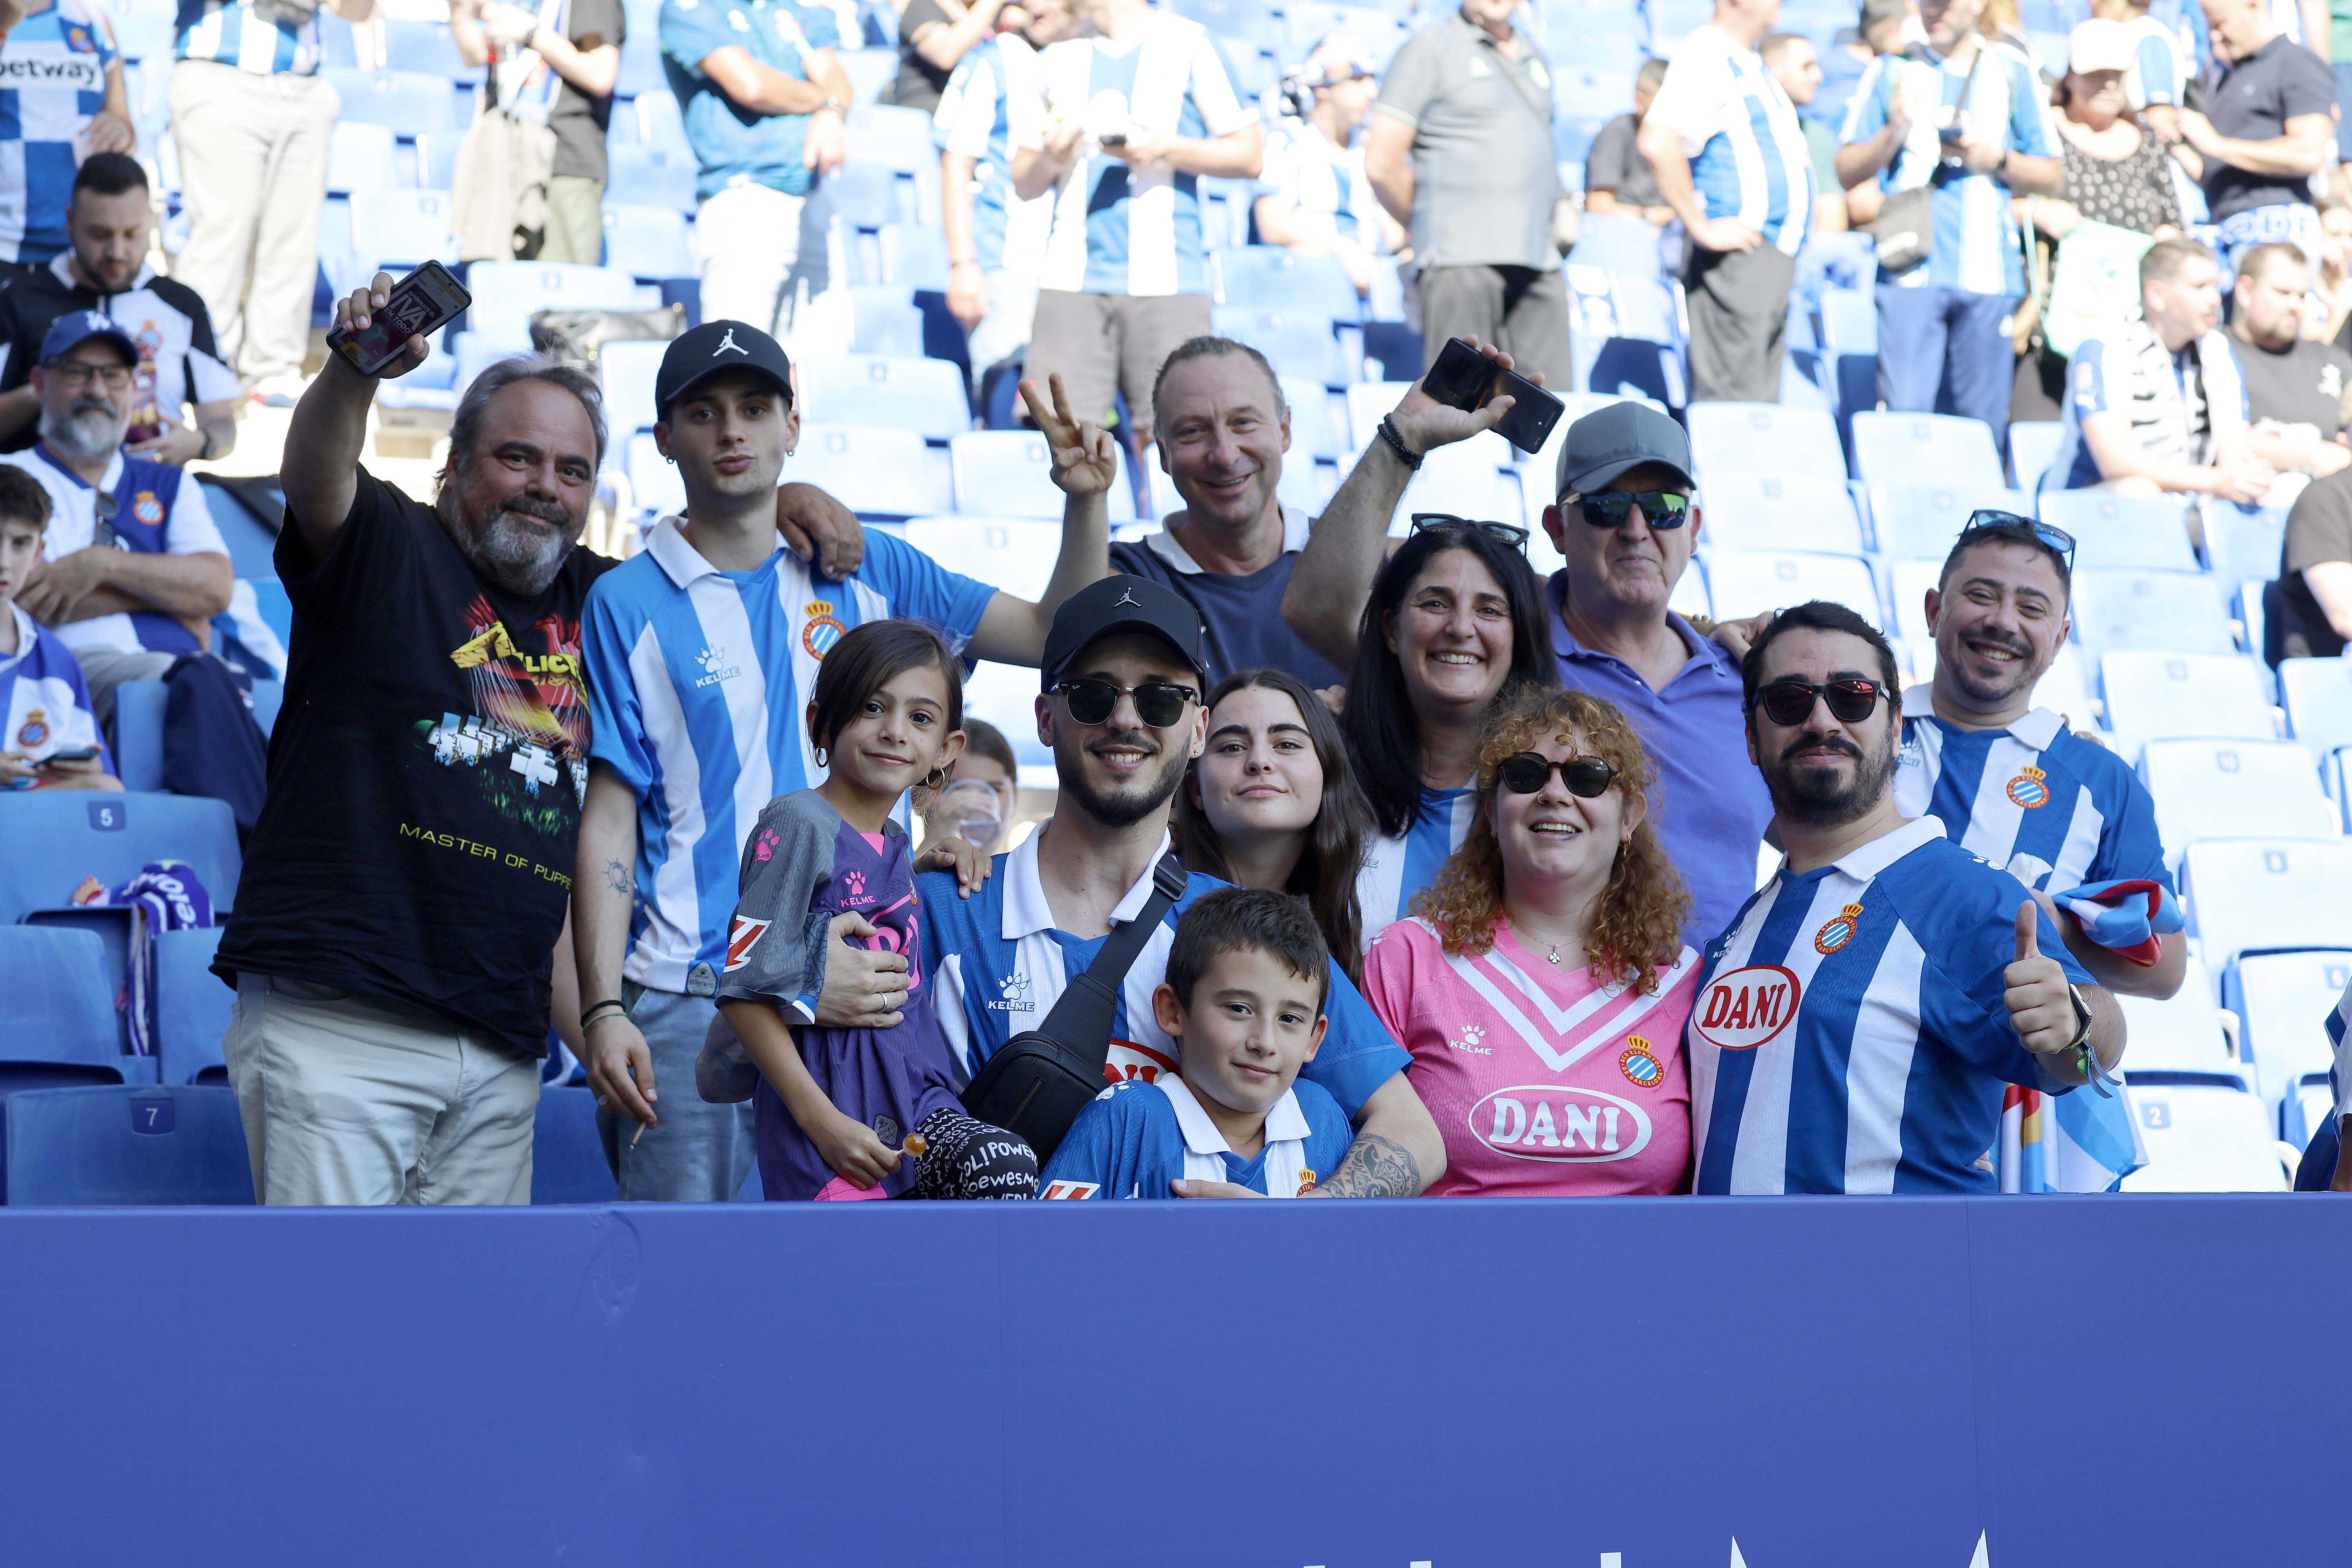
(1247, 976)
(838, 1110)
(50, 738)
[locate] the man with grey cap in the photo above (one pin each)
(1124, 677)
(1626, 520)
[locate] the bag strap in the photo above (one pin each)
(1081, 1020)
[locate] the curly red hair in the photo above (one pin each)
(1636, 927)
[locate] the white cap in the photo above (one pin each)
(2098, 44)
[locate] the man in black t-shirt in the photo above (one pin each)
(931, 39)
(1617, 178)
(580, 57)
(2269, 116)
(2295, 389)
(2308, 611)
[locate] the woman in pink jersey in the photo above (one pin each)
(1541, 984)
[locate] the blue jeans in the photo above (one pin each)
(1944, 350)
(698, 1153)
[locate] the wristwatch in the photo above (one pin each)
(2082, 1018)
(835, 105)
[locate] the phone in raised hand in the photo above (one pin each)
(418, 306)
(1463, 378)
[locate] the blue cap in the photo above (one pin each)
(77, 327)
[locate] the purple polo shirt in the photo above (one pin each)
(1710, 802)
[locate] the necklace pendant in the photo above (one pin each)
(1553, 956)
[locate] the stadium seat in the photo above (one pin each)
(2033, 447)
(1474, 478)
(926, 395)
(1907, 583)
(1230, 20)
(1921, 523)
(1763, 511)
(1926, 448)
(567, 1155)
(426, 49)
(410, 102)
(641, 60)
(886, 320)
(191, 1007)
(869, 71)
(2214, 788)
(55, 839)
(2204, 1134)
(901, 255)
(885, 136)
(146, 1145)
(1225, 206)
(2172, 612)
(2121, 532)
(400, 230)
(436, 159)
(1369, 402)
(506, 293)
(2157, 696)
(2065, 689)
(660, 123)
(1270, 278)
(1298, 343)
(1317, 422)
(2282, 1000)
(2243, 546)
(649, 177)
(362, 159)
(1574, 405)
(1763, 438)
(649, 243)
(2183, 1033)
(1628, 246)
(1008, 473)
(1300, 487)
(2305, 1107)
(626, 371)
(1747, 582)
(874, 472)
(2264, 895)
(59, 1012)
(654, 486)
(867, 195)
(2318, 694)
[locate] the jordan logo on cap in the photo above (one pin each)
(727, 342)
(1128, 598)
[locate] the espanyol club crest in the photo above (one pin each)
(1838, 930)
(822, 631)
(78, 40)
(1640, 1064)
(2030, 788)
(35, 730)
(147, 508)
(1743, 1009)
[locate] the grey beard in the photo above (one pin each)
(85, 435)
(506, 552)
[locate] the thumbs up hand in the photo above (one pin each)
(2041, 1005)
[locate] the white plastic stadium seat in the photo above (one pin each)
(658, 490)
(1908, 583)
(1467, 478)
(1764, 438)
(2204, 1134)
(1009, 473)
(2181, 1034)
(2207, 789)
(2172, 611)
(1369, 403)
(2252, 895)
(874, 472)
(1744, 581)
(2033, 447)
(507, 293)
(1767, 511)
(1926, 450)
(2157, 696)
(2317, 693)
(2282, 1000)
(2065, 689)
(627, 372)
(2122, 532)
(924, 395)
(2308, 1104)
(1921, 522)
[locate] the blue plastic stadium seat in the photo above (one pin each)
(2157, 696)
(1926, 450)
(874, 471)
(1764, 511)
(1574, 405)
(869, 71)
(627, 370)
(641, 60)
(1920, 522)
(2318, 694)
(1614, 244)
(1226, 207)
(1764, 438)
(1269, 278)
(2244, 546)
(867, 195)
(55, 839)
(362, 159)
(2033, 447)
(412, 102)
(2172, 611)
(191, 1006)
(1230, 19)
(1298, 343)
(436, 159)
(567, 1157)
(885, 136)
(660, 123)
(58, 1008)
(398, 230)
(1317, 422)
(1008, 473)
(151, 1144)
(2209, 789)
(428, 48)
(1253, 71)
(1368, 402)
(652, 483)
(2268, 895)
(507, 293)
(1850, 322)
(926, 395)
(903, 256)
(649, 243)
(886, 320)
(2112, 531)
(1746, 582)
(650, 176)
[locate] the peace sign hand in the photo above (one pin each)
(1085, 459)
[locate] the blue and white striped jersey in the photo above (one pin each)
(52, 79)
(1748, 157)
(2036, 792)
(1322, 178)
(1134, 1139)
(2159, 68)
(226, 32)
(1397, 868)
(44, 705)
(1850, 1034)
(975, 119)
(998, 965)
(1976, 248)
(696, 680)
(1119, 230)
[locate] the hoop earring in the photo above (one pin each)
(818, 753)
(936, 778)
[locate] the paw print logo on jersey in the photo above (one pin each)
(1471, 1035)
(2030, 788)
(856, 882)
(763, 847)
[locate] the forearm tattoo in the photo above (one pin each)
(1375, 1167)
(619, 878)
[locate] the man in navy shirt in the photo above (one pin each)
(1121, 709)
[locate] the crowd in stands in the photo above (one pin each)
(1926, 373)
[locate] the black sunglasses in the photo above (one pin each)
(1157, 703)
(1517, 538)
(1660, 509)
(1524, 773)
(1789, 703)
(1985, 521)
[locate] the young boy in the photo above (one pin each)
(49, 720)
(1247, 975)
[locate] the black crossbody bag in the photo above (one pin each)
(1040, 1080)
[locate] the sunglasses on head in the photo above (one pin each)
(1660, 509)
(1422, 521)
(1524, 773)
(1789, 703)
(1157, 703)
(1985, 522)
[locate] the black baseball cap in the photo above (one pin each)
(713, 349)
(1608, 441)
(1123, 603)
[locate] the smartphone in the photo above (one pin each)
(1116, 138)
(1464, 378)
(78, 754)
(419, 305)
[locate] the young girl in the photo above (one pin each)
(834, 1108)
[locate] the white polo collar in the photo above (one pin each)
(2038, 729)
(1285, 1123)
(27, 634)
(679, 560)
(1294, 527)
(1868, 860)
(1025, 910)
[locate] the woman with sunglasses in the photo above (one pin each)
(1273, 804)
(1542, 985)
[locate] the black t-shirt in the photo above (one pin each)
(1243, 614)
(578, 120)
(2252, 103)
(426, 776)
(2303, 384)
(2318, 529)
(163, 315)
(1616, 165)
(920, 82)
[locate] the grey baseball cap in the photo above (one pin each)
(1608, 441)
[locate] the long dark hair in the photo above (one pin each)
(1326, 873)
(1383, 734)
